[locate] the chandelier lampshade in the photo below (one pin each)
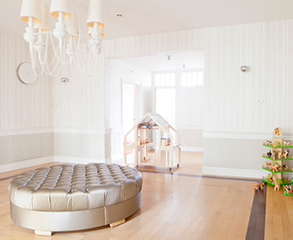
(64, 6)
(71, 52)
(31, 8)
(96, 13)
(45, 24)
(90, 30)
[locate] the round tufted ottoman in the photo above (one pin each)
(74, 197)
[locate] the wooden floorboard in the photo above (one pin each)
(256, 227)
(182, 205)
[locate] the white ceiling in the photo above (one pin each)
(160, 62)
(154, 16)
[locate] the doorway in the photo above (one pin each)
(130, 107)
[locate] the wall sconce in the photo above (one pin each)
(64, 80)
(244, 68)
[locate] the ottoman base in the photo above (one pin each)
(46, 222)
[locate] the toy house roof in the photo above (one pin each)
(154, 118)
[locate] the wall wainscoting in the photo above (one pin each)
(191, 149)
(25, 131)
(74, 160)
(26, 163)
(236, 154)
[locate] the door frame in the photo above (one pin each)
(138, 108)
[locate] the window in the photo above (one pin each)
(165, 104)
(191, 79)
(165, 80)
(165, 96)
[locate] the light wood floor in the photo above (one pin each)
(175, 206)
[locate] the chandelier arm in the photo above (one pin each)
(79, 68)
(91, 57)
(34, 66)
(44, 66)
(50, 72)
(46, 57)
(44, 60)
(81, 65)
(79, 52)
(56, 54)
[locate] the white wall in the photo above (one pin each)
(237, 103)
(190, 116)
(26, 111)
(22, 106)
(118, 71)
(253, 102)
(79, 119)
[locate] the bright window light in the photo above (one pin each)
(195, 78)
(191, 79)
(168, 80)
(172, 80)
(200, 78)
(165, 80)
(183, 80)
(158, 77)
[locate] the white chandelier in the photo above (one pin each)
(69, 49)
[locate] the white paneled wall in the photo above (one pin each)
(119, 71)
(26, 111)
(22, 106)
(190, 106)
(190, 109)
(79, 103)
(255, 101)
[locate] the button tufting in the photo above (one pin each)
(59, 188)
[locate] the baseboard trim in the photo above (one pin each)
(24, 164)
(192, 149)
(234, 172)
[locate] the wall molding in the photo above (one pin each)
(242, 135)
(88, 130)
(25, 131)
(119, 159)
(38, 161)
(24, 164)
(191, 149)
(75, 160)
(234, 172)
(181, 127)
(60, 130)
